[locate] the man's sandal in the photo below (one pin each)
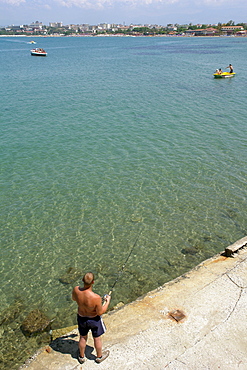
(81, 359)
(105, 354)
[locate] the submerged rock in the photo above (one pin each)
(35, 322)
(135, 218)
(191, 250)
(70, 275)
(57, 333)
(11, 312)
(119, 305)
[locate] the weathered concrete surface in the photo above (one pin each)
(213, 335)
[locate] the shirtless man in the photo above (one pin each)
(231, 68)
(90, 309)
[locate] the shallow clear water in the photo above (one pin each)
(109, 143)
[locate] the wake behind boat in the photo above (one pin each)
(38, 52)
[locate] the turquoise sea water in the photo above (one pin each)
(105, 140)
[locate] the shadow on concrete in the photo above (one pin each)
(67, 345)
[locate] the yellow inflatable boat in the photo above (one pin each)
(223, 74)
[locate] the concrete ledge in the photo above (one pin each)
(233, 248)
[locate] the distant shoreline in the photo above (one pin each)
(122, 35)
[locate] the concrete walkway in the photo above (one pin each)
(197, 321)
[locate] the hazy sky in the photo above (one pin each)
(122, 11)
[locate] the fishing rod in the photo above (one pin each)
(120, 272)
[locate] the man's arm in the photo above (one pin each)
(100, 309)
(74, 295)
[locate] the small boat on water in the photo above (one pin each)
(224, 74)
(38, 52)
(32, 42)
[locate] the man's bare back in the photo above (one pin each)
(89, 303)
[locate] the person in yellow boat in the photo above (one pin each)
(231, 68)
(218, 71)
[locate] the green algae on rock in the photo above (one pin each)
(35, 322)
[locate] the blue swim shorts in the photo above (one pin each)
(95, 324)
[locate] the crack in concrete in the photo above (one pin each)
(220, 276)
(239, 286)
(240, 294)
(182, 362)
(215, 327)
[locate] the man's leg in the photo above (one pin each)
(98, 346)
(82, 345)
(101, 356)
